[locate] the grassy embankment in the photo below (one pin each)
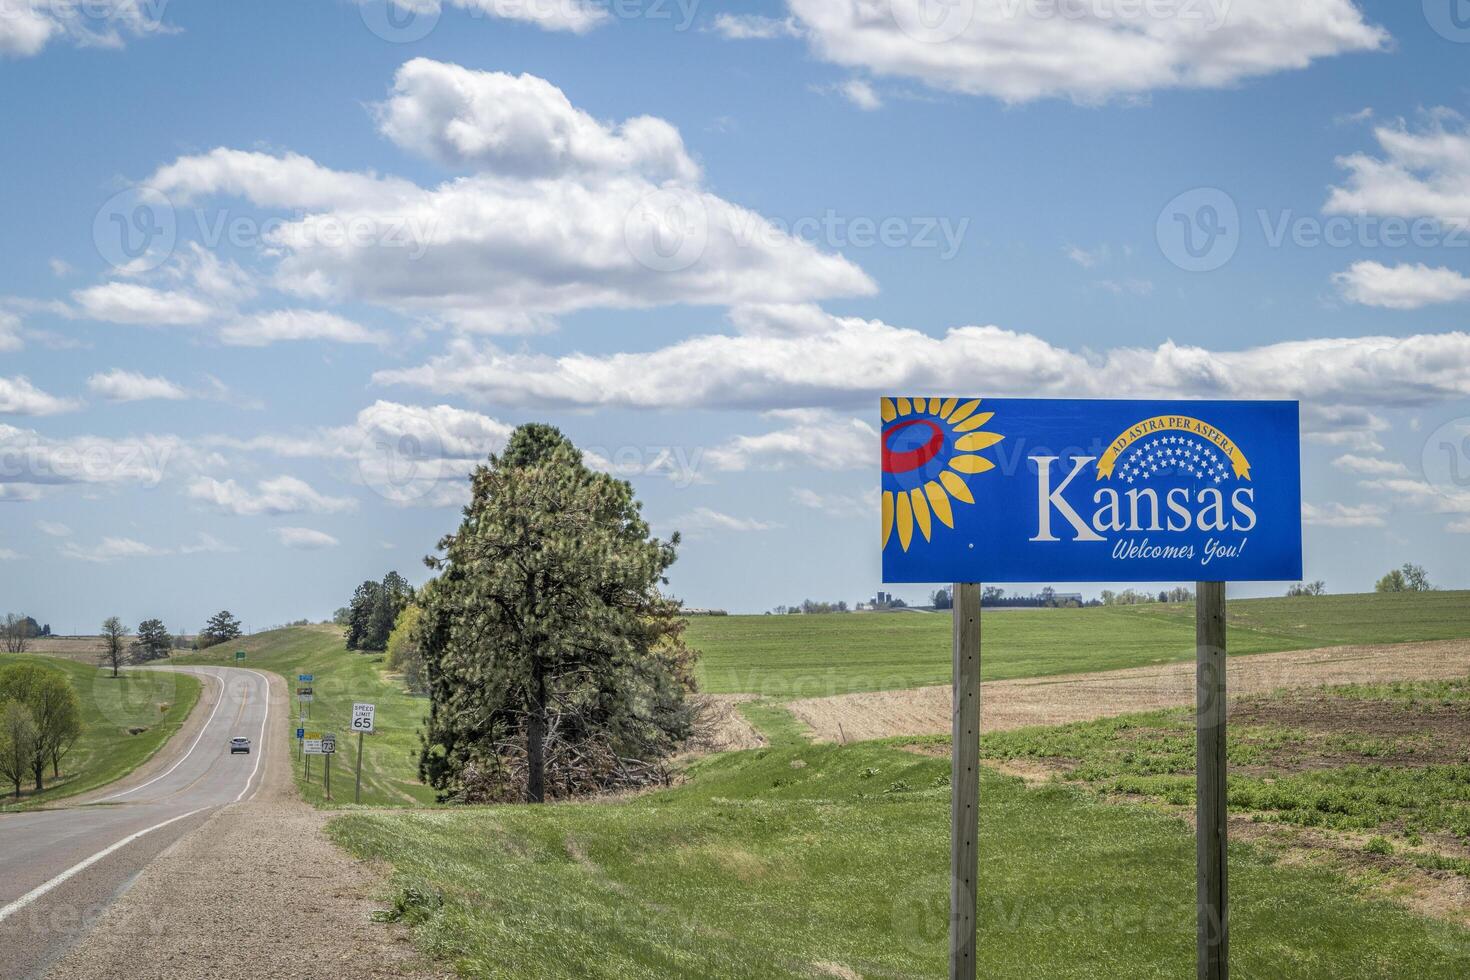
(806, 861)
(154, 701)
(390, 755)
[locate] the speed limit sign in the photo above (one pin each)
(362, 717)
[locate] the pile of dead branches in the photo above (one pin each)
(574, 767)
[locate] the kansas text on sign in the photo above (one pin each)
(1067, 490)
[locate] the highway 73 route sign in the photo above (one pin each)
(362, 718)
(329, 744)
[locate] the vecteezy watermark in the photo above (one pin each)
(677, 464)
(929, 21)
(400, 21)
(667, 230)
(411, 467)
(838, 231)
(1446, 458)
(98, 21)
(919, 914)
(1199, 230)
(141, 462)
(406, 21)
(135, 229)
(1286, 227)
(1449, 18)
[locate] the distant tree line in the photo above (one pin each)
(811, 607)
(1306, 589)
(1047, 598)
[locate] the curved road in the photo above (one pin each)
(60, 868)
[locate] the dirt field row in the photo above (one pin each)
(1083, 697)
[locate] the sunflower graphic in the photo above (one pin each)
(930, 446)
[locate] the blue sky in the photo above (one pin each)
(337, 241)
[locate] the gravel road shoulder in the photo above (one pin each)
(257, 892)
(1083, 697)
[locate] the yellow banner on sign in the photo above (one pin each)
(1175, 423)
(314, 736)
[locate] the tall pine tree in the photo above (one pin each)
(546, 625)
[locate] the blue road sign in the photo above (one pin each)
(1070, 490)
(305, 678)
(300, 733)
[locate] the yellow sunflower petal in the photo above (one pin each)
(905, 515)
(921, 511)
(903, 406)
(887, 516)
(957, 486)
(971, 464)
(939, 502)
(977, 440)
(974, 422)
(948, 407)
(963, 412)
(934, 406)
(889, 411)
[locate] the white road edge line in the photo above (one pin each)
(260, 743)
(223, 689)
(77, 869)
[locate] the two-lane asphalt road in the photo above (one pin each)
(60, 868)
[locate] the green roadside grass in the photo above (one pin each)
(158, 702)
(340, 677)
(787, 657)
(807, 860)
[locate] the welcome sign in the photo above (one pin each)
(1070, 490)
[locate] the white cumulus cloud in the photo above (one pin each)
(278, 495)
(19, 397)
(1401, 287)
(119, 385)
(560, 212)
(304, 538)
(1020, 50)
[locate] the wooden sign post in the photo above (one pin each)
(1150, 490)
(964, 783)
(1213, 911)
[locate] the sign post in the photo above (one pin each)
(329, 749)
(311, 745)
(1067, 490)
(362, 723)
(965, 783)
(1213, 910)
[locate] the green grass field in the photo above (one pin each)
(809, 861)
(390, 766)
(155, 701)
(784, 657)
